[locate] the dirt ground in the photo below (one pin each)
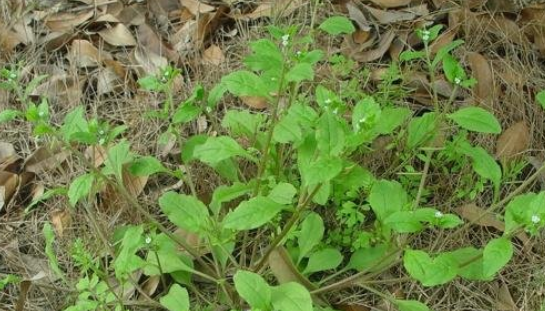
(94, 51)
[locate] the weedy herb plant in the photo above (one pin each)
(299, 159)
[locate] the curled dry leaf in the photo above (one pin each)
(356, 15)
(84, 54)
(107, 81)
(66, 22)
(149, 39)
(96, 154)
(8, 39)
(391, 3)
(278, 8)
(390, 17)
(483, 73)
(147, 62)
(45, 159)
(504, 300)
(284, 270)
(8, 187)
(382, 48)
(6, 151)
(513, 141)
(119, 35)
(197, 7)
(150, 286)
(60, 219)
(194, 241)
(213, 55)
(133, 15)
(255, 102)
(481, 217)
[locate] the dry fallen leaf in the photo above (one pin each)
(197, 7)
(482, 72)
(277, 8)
(504, 300)
(255, 102)
(6, 151)
(119, 35)
(8, 187)
(213, 56)
(84, 54)
(382, 48)
(513, 141)
(44, 159)
(66, 22)
(284, 270)
(60, 219)
(390, 17)
(391, 3)
(148, 38)
(356, 15)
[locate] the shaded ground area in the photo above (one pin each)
(93, 52)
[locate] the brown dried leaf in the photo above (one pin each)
(150, 286)
(390, 17)
(483, 73)
(119, 35)
(60, 219)
(107, 81)
(8, 40)
(96, 154)
(391, 3)
(382, 48)
(351, 307)
(194, 241)
(356, 15)
(213, 56)
(513, 141)
(197, 7)
(504, 300)
(277, 8)
(148, 62)
(361, 36)
(6, 151)
(149, 39)
(284, 270)
(134, 184)
(133, 15)
(255, 102)
(84, 54)
(44, 159)
(8, 187)
(66, 22)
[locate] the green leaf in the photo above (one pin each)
(291, 297)
(287, 130)
(9, 279)
(476, 119)
(188, 149)
(215, 95)
(404, 222)
(386, 198)
(150, 83)
(186, 112)
(74, 123)
(484, 164)
(322, 170)
(366, 114)
(167, 260)
(453, 70)
(421, 130)
(225, 193)
(496, 255)
(49, 235)
(185, 211)
(116, 157)
(540, 97)
(449, 221)
(390, 119)
(325, 259)
(283, 193)
(242, 123)
(406, 56)
(470, 261)
(312, 57)
(266, 56)
(444, 51)
(411, 305)
(217, 149)
(245, 83)
(430, 272)
(330, 134)
(146, 166)
(253, 288)
(337, 25)
(79, 188)
(365, 258)
(312, 231)
(127, 261)
(8, 115)
(252, 214)
(177, 299)
(300, 72)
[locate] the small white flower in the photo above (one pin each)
(148, 240)
(41, 113)
(535, 219)
(166, 73)
(12, 76)
(457, 81)
(328, 101)
(208, 109)
(425, 35)
(273, 79)
(336, 110)
(299, 53)
(285, 40)
(362, 120)
(101, 141)
(438, 214)
(101, 132)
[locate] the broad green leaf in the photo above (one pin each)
(325, 97)
(225, 193)
(127, 261)
(411, 305)
(252, 214)
(146, 166)
(186, 112)
(188, 149)
(79, 188)
(516, 212)
(366, 258)
(312, 57)
(150, 83)
(167, 259)
(476, 119)
(9, 115)
(496, 255)
(406, 56)
(287, 130)
(253, 288)
(9, 279)
(300, 72)
(540, 97)
(49, 235)
(283, 193)
(366, 114)
(330, 134)
(266, 56)
(404, 222)
(217, 149)
(325, 259)
(242, 123)
(421, 130)
(305, 116)
(444, 51)
(291, 297)
(386, 198)
(185, 211)
(449, 221)
(245, 83)
(322, 170)
(117, 156)
(470, 261)
(312, 231)
(177, 299)
(74, 122)
(453, 70)
(337, 25)
(485, 165)
(430, 272)
(215, 95)
(390, 119)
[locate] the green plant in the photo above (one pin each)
(301, 157)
